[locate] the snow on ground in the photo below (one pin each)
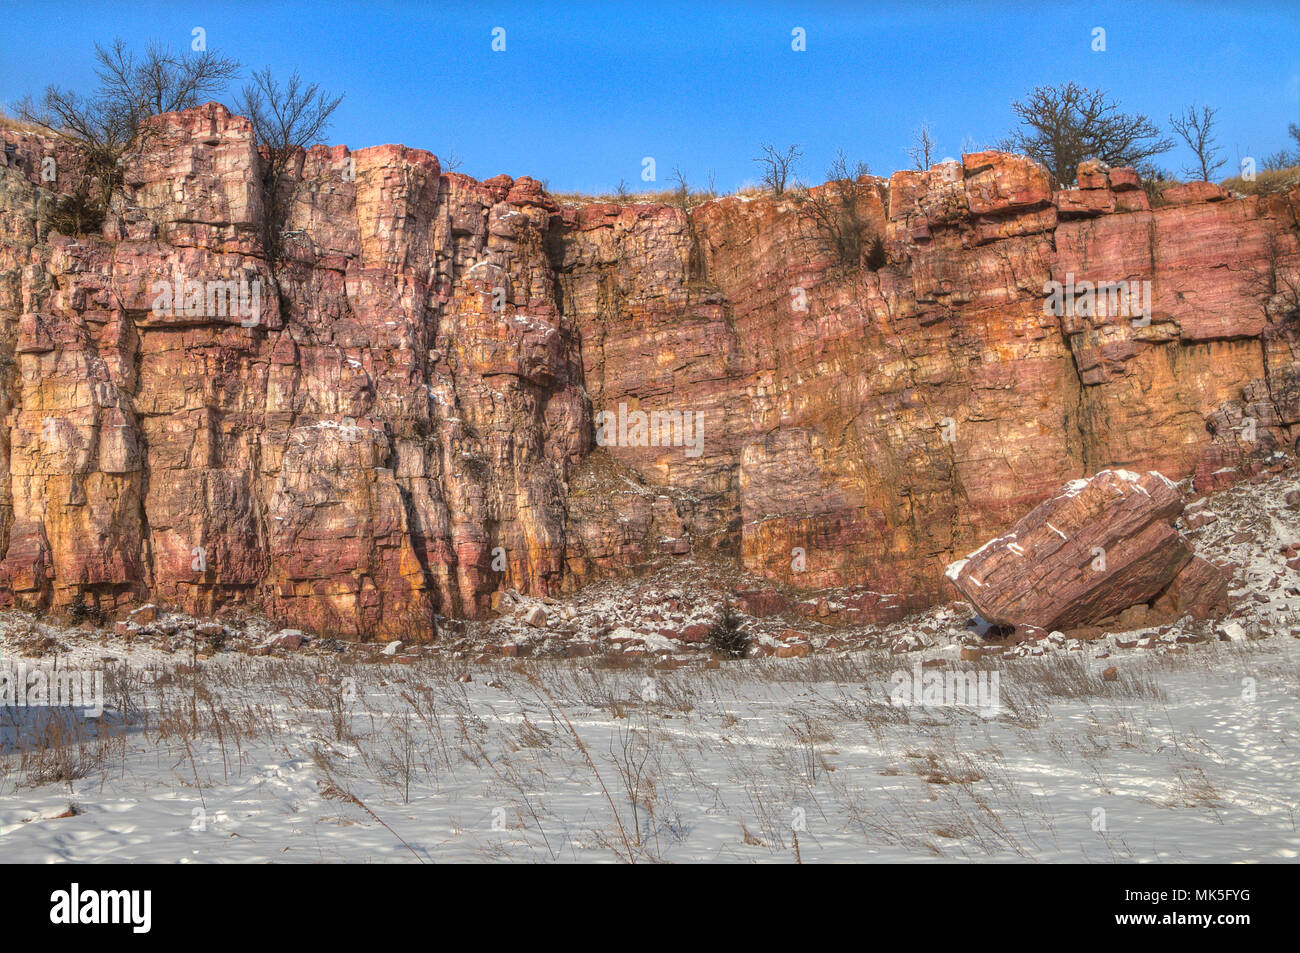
(1187, 751)
(1184, 757)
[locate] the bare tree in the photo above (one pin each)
(778, 166)
(840, 170)
(1292, 158)
(1282, 159)
(130, 90)
(682, 192)
(833, 209)
(106, 122)
(161, 82)
(1196, 128)
(1060, 126)
(286, 118)
(923, 149)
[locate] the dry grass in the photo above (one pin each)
(816, 741)
(55, 746)
(1269, 180)
(652, 197)
(17, 125)
(694, 197)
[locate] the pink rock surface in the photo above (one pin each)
(408, 425)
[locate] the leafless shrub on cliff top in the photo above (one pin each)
(1276, 172)
(1278, 161)
(1285, 158)
(778, 166)
(682, 191)
(833, 211)
(130, 90)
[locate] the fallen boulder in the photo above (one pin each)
(535, 616)
(1200, 590)
(289, 639)
(1100, 546)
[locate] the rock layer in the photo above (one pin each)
(407, 425)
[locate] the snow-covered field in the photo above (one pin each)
(1188, 751)
(1189, 756)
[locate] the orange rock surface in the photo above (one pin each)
(408, 422)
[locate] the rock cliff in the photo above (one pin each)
(396, 416)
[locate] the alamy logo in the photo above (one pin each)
(658, 428)
(1110, 299)
(74, 906)
(49, 686)
(184, 298)
(950, 688)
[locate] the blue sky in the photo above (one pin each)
(584, 91)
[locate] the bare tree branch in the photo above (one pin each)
(286, 117)
(778, 166)
(1060, 126)
(159, 81)
(833, 210)
(1197, 130)
(683, 190)
(109, 120)
(922, 150)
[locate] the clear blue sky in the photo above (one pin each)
(583, 91)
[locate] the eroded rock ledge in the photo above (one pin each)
(383, 444)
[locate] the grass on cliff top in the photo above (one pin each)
(1270, 180)
(661, 197)
(7, 122)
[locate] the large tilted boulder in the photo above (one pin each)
(1100, 546)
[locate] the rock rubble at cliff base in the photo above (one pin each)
(1249, 533)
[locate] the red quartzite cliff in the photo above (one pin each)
(415, 398)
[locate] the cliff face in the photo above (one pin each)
(404, 421)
